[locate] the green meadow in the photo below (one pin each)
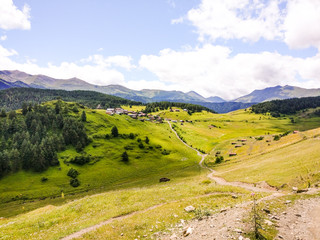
(110, 188)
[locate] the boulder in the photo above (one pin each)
(190, 209)
(187, 232)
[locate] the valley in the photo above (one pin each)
(124, 199)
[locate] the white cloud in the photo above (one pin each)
(241, 19)
(211, 70)
(177, 20)
(302, 24)
(95, 69)
(112, 61)
(296, 22)
(3, 38)
(13, 18)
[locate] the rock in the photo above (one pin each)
(237, 230)
(279, 236)
(173, 236)
(241, 238)
(275, 218)
(298, 215)
(302, 190)
(121, 234)
(288, 201)
(223, 210)
(269, 223)
(187, 232)
(175, 215)
(190, 209)
(294, 189)
(164, 179)
(266, 210)
(211, 226)
(234, 196)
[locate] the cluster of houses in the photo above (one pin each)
(135, 115)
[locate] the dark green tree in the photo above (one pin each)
(114, 131)
(147, 140)
(124, 157)
(83, 116)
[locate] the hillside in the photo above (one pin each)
(17, 84)
(277, 92)
(145, 95)
(132, 203)
(98, 161)
(13, 98)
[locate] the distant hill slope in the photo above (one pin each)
(5, 85)
(12, 98)
(278, 92)
(145, 95)
(286, 106)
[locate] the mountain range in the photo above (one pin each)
(9, 79)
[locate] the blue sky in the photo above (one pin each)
(215, 47)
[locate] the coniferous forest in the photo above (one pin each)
(13, 98)
(31, 140)
(286, 106)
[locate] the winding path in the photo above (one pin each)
(222, 181)
(218, 180)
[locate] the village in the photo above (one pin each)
(141, 116)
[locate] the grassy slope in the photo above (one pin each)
(53, 222)
(293, 160)
(144, 167)
(231, 126)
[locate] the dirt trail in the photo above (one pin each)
(222, 181)
(224, 221)
(301, 221)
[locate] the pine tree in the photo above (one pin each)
(83, 116)
(125, 157)
(114, 132)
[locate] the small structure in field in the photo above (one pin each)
(233, 143)
(232, 154)
(243, 140)
(237, 146)
(164, 179)
(110, 111)
(295, 131)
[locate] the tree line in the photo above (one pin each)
(156, 106)
(11, 99)
(31, 140)
(286, 106)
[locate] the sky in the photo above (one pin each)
(225, 48)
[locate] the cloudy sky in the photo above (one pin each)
(226, 48)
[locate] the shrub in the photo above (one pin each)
(200, 213)
(74, 182)
(80, 160)
(73, 173)
(165, 152)
(124, 157)
(219, 159)
(44, 179)
(276, 138)
(141, 145)
(147, 140)
(260, 138)
(131, 136)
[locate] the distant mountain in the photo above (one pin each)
(224, 107)
(215, 99)
(5, 85)
(145, 95)
(20, 79)
(278, 92)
